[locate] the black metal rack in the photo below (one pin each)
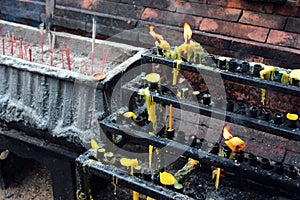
(257, 174)
(226, 75)
(255, 123)
(108, 172)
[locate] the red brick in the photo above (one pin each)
(210, 11)
(285, 39)
(289, 9)
(293, 25)
(244, 4)
(293, 145)
(170, 18)
(234, 29)
(265, 20)
(292, 158)
(157, 4)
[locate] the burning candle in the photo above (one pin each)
(189, 47)
(171, 118)
(3, 46)
(162, 44)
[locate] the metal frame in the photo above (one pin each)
(58, 159)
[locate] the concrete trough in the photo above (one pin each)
(54, 101)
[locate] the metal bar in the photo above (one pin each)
(253, 173)
(247, 80)
(108, 172)
(279, 130)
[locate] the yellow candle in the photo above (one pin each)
(171, 117)
(267, 73)
(176, 71)
(292, 117)
(167, 178)
(135, 195)
(151, 106)
(235, 144)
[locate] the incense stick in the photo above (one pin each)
(21, 49)
(103, 60)
(93, 44)
(53, 40)
(51, 57)
(62, 60)
(30, 55)
(12, 47)
(3, 46)
(68, 59)
(42, 40)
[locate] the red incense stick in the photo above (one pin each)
(25, 52)
(12, 47)
(30, 55)
(21, 49)
(62, 60)
(68, 59)
(93, 60)
(51, 57)
(105, 54)
(86, 66)
(3, 46)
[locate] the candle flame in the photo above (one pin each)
(187, 34)
(226, 134)
(155, 35)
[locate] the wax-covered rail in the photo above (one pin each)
(226, 75)
(86, 166)
(244, 120)
(255, 173)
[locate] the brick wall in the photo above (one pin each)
(252, 30)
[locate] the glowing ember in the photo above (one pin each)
(226, 134)
(187, 33)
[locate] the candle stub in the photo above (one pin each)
(153, 78)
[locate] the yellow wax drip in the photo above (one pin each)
(151, 106)
(165, 46)
(130, 115)
(135, 195)
(267, 73)
(94, 144)
(175, 72)
(295, 74)
(150, 155)
(189, 49)
(217, 178)
(285, 79)
(150, 152)
(263, 96)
